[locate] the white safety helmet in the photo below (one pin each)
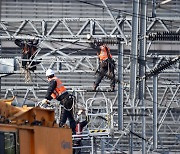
(49, 72)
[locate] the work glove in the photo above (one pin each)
(44, 101)
(80, 112)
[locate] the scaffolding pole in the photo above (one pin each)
(155, 101)
(142, 67)
(133, 69)
(153, 8)
(120, 84)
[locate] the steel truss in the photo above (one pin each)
(21, 29)
(164, 108)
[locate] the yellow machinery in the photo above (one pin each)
(31, 130)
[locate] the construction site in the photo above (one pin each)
(134, 109)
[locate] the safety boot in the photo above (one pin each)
(112, 88)
(94, 87)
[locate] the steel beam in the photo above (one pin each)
(133, 67)
(155, 109)
(142, 68)
(120, 85)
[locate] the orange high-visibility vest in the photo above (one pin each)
(26, 49)
(104, 53)
(59, 88)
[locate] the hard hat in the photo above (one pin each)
(89, 36)
(49, 72)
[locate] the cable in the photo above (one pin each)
(110, 41)
(168, 9)
(137, 135)
(148, 18)
(40, 77)
(148, 75)
(103, 7)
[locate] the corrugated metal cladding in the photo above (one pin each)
(79, 8)
(59, 9)
(54, 9)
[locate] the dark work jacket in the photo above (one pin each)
(51, 88)
(31, 47)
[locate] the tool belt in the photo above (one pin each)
(66, 100)
(104, 63)
(108, 62)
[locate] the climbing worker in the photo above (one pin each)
(79, 130)
(106, 66)
(28, 50)
(57, 90)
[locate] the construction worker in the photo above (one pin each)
(57, 90)
(79, 129)
(106, 66)
(80, 124)
(28, 50)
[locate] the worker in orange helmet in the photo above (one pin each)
(57, 90)
(106, 66)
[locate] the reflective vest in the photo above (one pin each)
(60, 89)
(30, 50)
(104, 53)
(78, 129)
(26, 49)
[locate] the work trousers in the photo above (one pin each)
(106, 67)
(65, 114)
